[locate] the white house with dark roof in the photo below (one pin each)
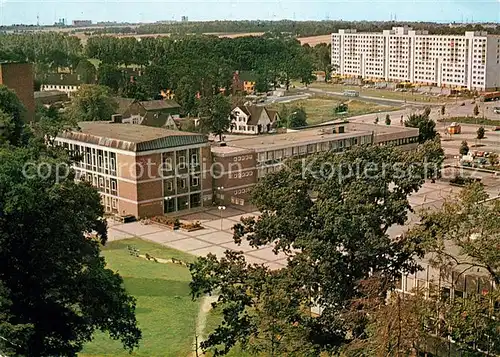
(252, 119)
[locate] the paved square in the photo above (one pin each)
(188, 244)
(164, 236)
(137, 228)
(227, 224)
(267, 254)
(216, 237)
(244, 246)
(114, 234)
(203, 252)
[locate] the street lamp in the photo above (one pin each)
(219, 190)
(221, 208)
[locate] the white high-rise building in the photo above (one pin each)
(458, 61)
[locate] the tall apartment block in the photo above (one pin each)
(469, 61)
(19, 78)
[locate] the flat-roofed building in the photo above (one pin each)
(139, 170)
(471, 60)
(240, 162)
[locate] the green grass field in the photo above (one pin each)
(165, 312)
(214, 318)
(319, 109)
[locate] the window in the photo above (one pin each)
(195, 182)
(194, 159)
(182, 183)
(182, 162)
(113, 185)
(169, 186)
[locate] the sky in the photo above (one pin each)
(26, 11)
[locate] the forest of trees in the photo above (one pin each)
(294, 28)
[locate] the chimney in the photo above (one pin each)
(78, 77)
(116, 118)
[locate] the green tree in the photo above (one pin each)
(49, 253)
(215, 114)
(297, 118)
(87, 71)
(110, 76)
(334, 241)
(387, 119)
(475, 111)
(480, 133)
(425, 125)
(427, 111)
(185, 94)
(493, 158)
(12, 117)
(91, 103)
(464, 148)
(322, 59)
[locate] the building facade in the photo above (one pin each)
(19, 78)
(252, 119)
(240, 163)
(63, 82)
(469, 61)
(141, 171)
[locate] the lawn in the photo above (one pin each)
(380, 93)
(214, 319)
(319, 109)
(165, 312)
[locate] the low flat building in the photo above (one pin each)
(139, 170)
(50, 97)
(240, 162)
(64, 82)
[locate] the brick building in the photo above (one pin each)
(139, 170)
(19, 78)
(240, 162)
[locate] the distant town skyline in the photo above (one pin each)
(49, 11)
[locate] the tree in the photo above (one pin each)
(297, 118)
(87, 71)
(480, 133)
(475, 111)
(12, 117)
(55, 288)
(443, 110)
(185, 94)
(427, 111)
(110, 76)
(464, 148)
(333, 241)
(463, 236)
(425, 125)
(215, 114)
(493, 158)
(467, 223)
(322, 59)
(91, 103)
(387, 119)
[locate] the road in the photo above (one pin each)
(285, 99)
(377, 100)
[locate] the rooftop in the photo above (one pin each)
(160, 104)
(298, 137)
(49, 93)
(131, 137)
